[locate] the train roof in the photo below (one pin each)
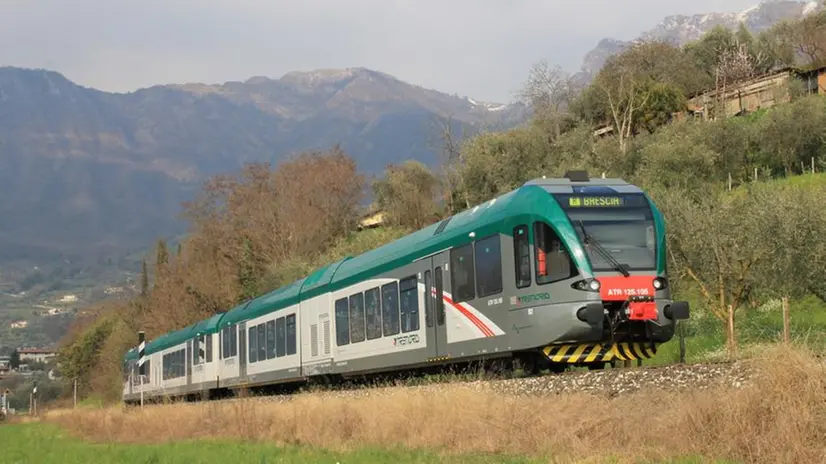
(500, 214)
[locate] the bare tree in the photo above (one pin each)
(549, 90)
(449, 146)
(626, 95)
(735, 65)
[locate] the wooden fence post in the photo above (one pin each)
(785, 319)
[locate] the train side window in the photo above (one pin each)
(438, 279)
(271, 339)
(224, 343)
(252, 343)
(209, 348)
(409, 304)
(488, 257)
(280, 337)
(372, 310)
(232, 332)
(461, 273)
(262, 343)
(428, 299)
(290, 322)
(196, 347)
(553, 263)
(342, 322)
(390, 308)
(357, 318)
(522, 256)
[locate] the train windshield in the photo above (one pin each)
(615, 228)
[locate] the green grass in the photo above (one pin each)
(41, 443)
(37, 443)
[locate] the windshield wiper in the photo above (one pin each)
(589, 240)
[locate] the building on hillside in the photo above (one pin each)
(814, 80)
(743, 97)
(753, 94)
(19, 324)
(5, 363)
(372, 220)
(36, 354)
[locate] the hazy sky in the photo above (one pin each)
(478, 48)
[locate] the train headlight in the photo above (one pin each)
(587, 285)
(660, 283)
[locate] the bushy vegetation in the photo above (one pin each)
(737, 237)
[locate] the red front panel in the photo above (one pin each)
(621, 288)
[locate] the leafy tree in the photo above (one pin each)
(15, 359)
(641, 87)
(717, 240)
(408, 194)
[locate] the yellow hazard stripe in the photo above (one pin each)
(596, 352)
(577, 353)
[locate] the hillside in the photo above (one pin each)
(681, 29)
(91, 175)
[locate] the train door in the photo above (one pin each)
(188, 356)
(439, 267)
(242, 348)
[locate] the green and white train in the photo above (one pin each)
(557, 272)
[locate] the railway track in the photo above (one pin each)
(608, 383)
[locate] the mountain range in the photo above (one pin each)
(90, 172)
(87, 174)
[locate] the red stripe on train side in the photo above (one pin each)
(472, 317)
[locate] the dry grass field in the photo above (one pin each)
(778, 417)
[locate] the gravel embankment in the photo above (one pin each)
(610, 382)
(614, 382)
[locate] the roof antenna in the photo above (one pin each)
(603, 175)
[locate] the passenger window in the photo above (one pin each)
(428, 299)
(195, 349)
(262, 342)
(357, 318)
(342, 322)
(461, 273)
(372, 311)
(553, 263)
(390, 308)
(224, 343)
(209, 348)
(522, 256)
(280, 337)
(409, 304)
(488, 256)
(440, 302)
(233, 340)
(270, 339)
(252, 341)
(291, 334)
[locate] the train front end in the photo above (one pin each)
(619, 299)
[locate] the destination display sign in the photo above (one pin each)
(601, 201)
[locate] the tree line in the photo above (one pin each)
(736, 235)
